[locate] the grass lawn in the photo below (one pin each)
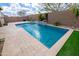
(71, 47)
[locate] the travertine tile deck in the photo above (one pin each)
(19, 42)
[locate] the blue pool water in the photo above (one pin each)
(47, 35)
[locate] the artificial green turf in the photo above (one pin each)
(71, 47)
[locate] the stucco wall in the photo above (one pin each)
(17, 19)
(65, 18)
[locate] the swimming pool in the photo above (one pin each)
(47, 35)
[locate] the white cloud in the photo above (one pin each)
(12, 9)
(15, 7)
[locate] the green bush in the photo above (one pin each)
(41, 17)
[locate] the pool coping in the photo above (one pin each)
(56, 47)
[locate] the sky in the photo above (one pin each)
(12, 9)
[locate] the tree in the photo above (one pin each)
(1, 8)
(75, 10)
(21, 13)
(55, 6)
(1, 17)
